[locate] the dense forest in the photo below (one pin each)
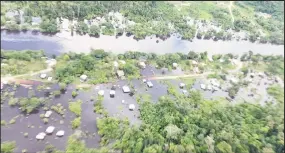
(154, 18)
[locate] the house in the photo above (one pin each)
(43, 75)
(149, 84)
(132, 107)
(49, 78)
(142, 65)
(112, 93)
(233, 80)
(41, 136)
(48, 113)
(194, 63)
(36, 20)
(196, 70)
(175, 65)
(60, 133)
(126, 89)
(184, 91)
(120, 73)
(116, 64)
(182, 85)
(144, 80)
(50, 129)
(83, 78)
(209, 87)
(221, 60)
(203, 86)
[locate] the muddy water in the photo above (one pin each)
(57, 45)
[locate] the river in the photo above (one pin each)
(63, 42)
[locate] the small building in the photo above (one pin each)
(182, 85)
(142, 65)
(60, 133)
(194, 63)
(126, 89)
(221, 60)
(144, 80)
(50, 129)
(112, 93)
(233, 80)
(83, 78)
(41, 136)
(116, 64)
(184, 91)
(149, 84)
(175, 65)
(120, 73)
(203, 86)
(43, 75)
(196, 70)
(101, 92)
(132, 107)
(48, 113)
(49, 78)
(36, 21)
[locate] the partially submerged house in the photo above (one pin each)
(112, 93)
(60, 133)
(182, 85)
(120, 74)
(101, 92)
(149, 84)
(50, 129)
(126, 89)
(203, 86)
(175, 65)
(48, 113)
(43, 75)
(83, 78)
(41, 136)
(132, 107)
(142, 65)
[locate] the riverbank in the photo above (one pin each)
(63, 42)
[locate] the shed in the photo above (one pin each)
(101, 92)
(83, 77)
(43, 75)
(112, 93)
(132, 107)
(60, 133)
(48, 113)
(142, 65)
(149, 84)
(126, 89)
(181, 85)
(50, 129)
(203, 86)
(175, 65)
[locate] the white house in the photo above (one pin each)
(43, 75)
(203, 86)
(50, 129)
(126, 89)
(60, 133)
(142, 65)
(174, 65)
(48, 113)
(101, 92)
(83, 78)
(112, 93)
(182, 85)
(149, 84)
(41, 136)
(132, 107)
(116, 64)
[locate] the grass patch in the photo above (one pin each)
(277, 92)
(75, 107)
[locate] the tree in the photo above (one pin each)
(192, 55)
(94, 30)
(82, 28)
(48, 26)
(224, 147)
(8, 147)
(172, 132)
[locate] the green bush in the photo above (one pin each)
(8, 146)
(12, 121)
(3, 123)
(74, 94)
(75, 107)
(76, 122)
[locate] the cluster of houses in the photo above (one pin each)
(213, 85)
(44, 75)
(49, 130)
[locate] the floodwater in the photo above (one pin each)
(59, 44)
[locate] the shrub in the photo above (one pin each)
(26, 134)
(45, 120)
(58, 109)
(76, 122)
(62, 86)
(8, 146)
(13, 101)
(3, 123)
(12, 121)
(74, 94)
(56, 93)
(42, 115)
(75, 107)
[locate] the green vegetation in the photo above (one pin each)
(8, 146)
(157, 18)
(3, 123)
(75, 107)
(74, 94)
(76, 122)
(277, 92)
(98, 106)
(30, 104)
(21, 62)
(59, 109)
(12, 121)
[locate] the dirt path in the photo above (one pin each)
(230, 9)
